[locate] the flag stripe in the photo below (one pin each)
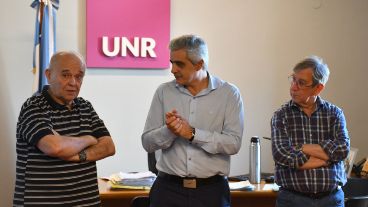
(44, 41)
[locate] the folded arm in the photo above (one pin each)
(334, 149)
(104, 148)
(315, 150)
(308, 156)
(64, 147)
(313, 163)
(338, 146)
(283, 152)
(68, 148)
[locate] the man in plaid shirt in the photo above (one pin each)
(309, 142)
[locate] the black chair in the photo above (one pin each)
(356, 192)
(140, 201)
(152, 162)
(356, 202)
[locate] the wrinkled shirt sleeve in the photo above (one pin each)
(228, 141)
(156, 135)
(337, 147)
(283, 152)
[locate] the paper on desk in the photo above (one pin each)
(139, 179)
(119, 186)
(242, 185)
(121, 176)
(273, 187)
(137, 175)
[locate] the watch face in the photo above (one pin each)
(82, 156)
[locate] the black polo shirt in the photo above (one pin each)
(48, 181)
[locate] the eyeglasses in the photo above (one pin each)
(300, 83)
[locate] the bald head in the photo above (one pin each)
(70, 56)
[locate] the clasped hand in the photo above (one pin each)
(178, 125)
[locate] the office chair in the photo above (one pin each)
(356, 202)
(140, 201)
(356, 192)
(152, 162)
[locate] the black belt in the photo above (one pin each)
(190, 182)
(318, 195)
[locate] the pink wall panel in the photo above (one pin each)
(141, 29)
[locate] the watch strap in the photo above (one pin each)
(82, 156)
(193, 134)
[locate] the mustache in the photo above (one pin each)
(177, 75)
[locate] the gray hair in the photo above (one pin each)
(320, 69)
(195, 47)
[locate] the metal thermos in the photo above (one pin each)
(255, 160)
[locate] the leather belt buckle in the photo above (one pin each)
(190, 183)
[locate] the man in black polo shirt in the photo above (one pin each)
(59, 138)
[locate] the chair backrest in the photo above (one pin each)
(152, 162)
(357, 202)
(356, 192)
(140, 201)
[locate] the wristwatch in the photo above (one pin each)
(82, 156)
(193, 134)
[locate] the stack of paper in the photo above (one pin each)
(136, 180)
(242, 185)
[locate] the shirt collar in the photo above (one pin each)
(213, 84)
(319, 103)
(52, 102)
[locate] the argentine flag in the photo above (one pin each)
(44, 40)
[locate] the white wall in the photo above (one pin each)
(253, 44)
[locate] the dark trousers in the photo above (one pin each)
(289, 199)
(168, 194)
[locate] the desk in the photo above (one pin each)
(122, 198)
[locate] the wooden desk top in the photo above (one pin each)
(107, 193)
(122, 198)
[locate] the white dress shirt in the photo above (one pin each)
(217, 115)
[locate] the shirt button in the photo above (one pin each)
(190, 158)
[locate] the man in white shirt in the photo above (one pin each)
(197, 120)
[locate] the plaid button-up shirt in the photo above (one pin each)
(291, 128)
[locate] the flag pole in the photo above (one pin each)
(42, 6)
(40, 74)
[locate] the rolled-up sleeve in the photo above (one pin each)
(338, 146)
